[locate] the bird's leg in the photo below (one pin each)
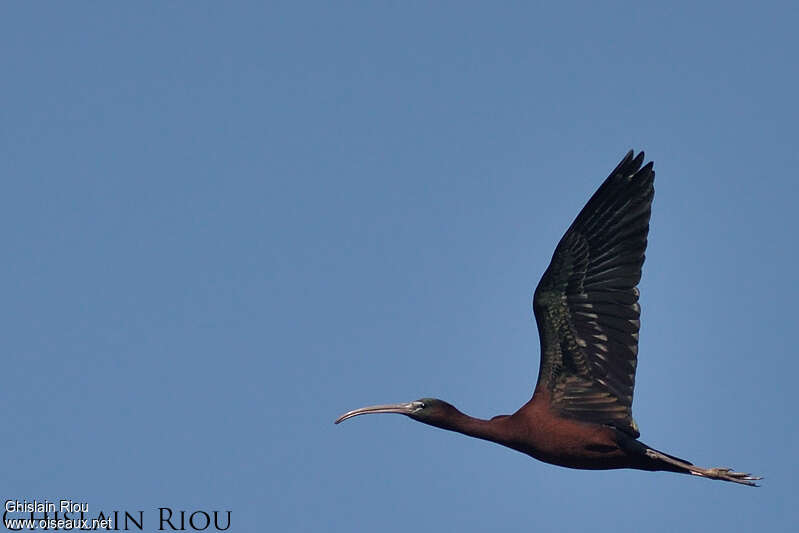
(724, 474)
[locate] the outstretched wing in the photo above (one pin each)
(586, 304)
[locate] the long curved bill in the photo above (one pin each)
(399, 408)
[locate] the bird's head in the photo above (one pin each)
(428, 410)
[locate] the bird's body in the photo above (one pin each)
(587, 312)
(563, 441)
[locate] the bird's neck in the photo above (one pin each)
(494, 430)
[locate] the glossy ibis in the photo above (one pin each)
(587, 312)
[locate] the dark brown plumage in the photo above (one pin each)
(587, 312)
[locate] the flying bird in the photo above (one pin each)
(587, 312)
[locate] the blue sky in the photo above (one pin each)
(226, 224)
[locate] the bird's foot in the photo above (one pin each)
(726, 474)
(723, 474)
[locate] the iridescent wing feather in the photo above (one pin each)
(586, 304)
